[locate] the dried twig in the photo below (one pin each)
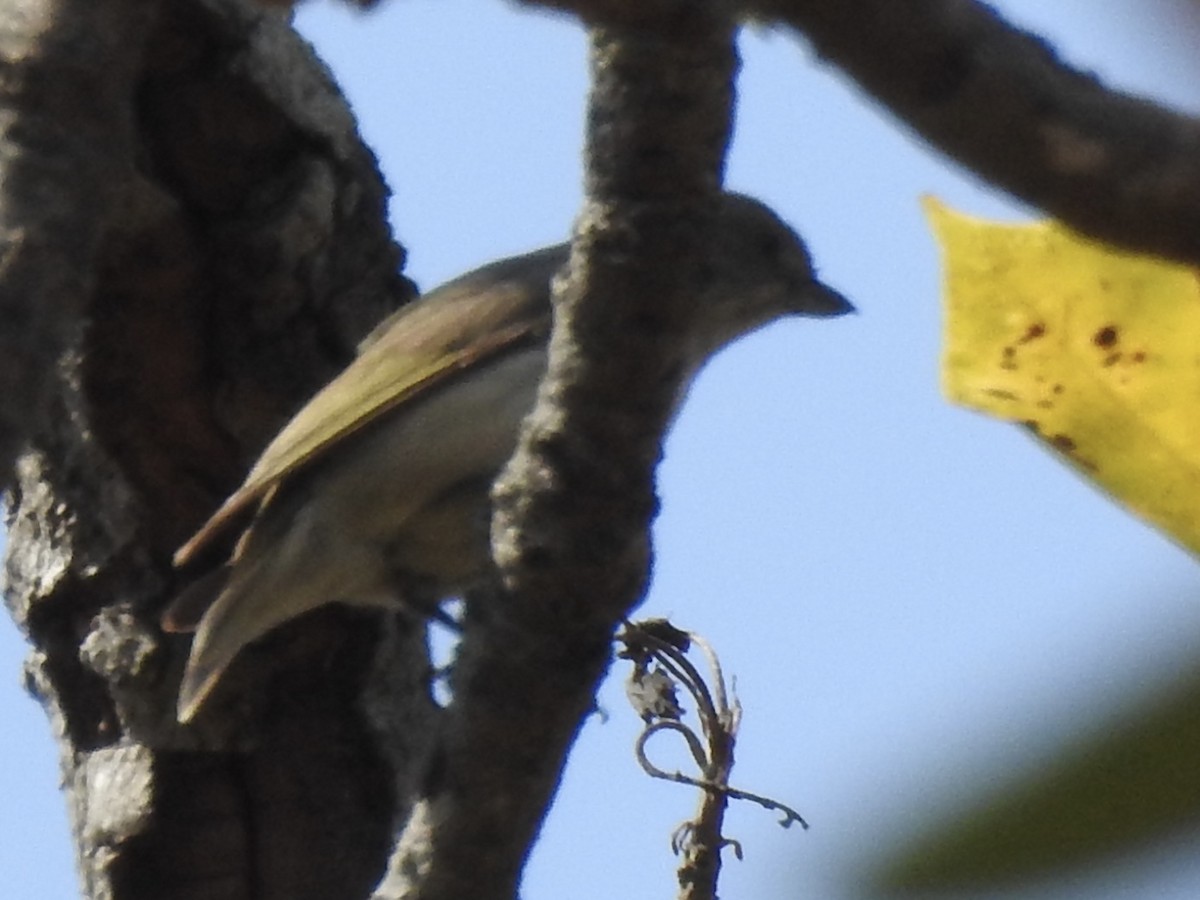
(658, 651)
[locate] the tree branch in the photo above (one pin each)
(574, 507)
(999, 101)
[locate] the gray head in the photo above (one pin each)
(759, 271)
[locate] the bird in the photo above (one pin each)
(376, 492)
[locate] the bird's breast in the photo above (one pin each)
(417, 481)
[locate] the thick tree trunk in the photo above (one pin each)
(211, 234)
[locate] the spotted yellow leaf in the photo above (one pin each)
(1095, 350)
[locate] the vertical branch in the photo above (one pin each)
(574, 507)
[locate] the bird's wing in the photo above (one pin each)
(421, 347)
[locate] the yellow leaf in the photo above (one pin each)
(1095, 350)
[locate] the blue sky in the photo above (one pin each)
(915, 600)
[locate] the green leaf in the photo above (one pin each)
(1110, 794)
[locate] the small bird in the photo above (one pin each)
(377, 491)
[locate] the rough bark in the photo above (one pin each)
(1000, 101)
(192, 238)
(213, 234)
